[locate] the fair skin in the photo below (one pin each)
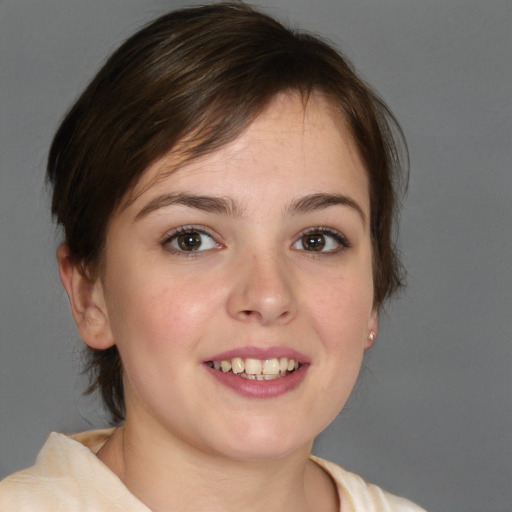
(260, 250)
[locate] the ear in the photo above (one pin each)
(372, 329)
(87, 301)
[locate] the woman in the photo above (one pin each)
(226, 190)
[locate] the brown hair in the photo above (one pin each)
(203, 74)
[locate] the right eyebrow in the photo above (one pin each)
(221, 205)
(321, 201)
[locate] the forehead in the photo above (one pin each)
(309, 137)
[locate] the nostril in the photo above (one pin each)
(249, 313)
(261, 300)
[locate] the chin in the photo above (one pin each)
(262, 441)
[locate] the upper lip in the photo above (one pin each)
(260, 353)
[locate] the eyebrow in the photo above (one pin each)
(321, 201)
(227, 206)
(206, 203)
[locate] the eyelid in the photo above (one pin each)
(192, 228)
(338, 236)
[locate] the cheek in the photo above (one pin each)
(156, 329)
(342, 309)
(158, 313)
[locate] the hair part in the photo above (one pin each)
(191, 82)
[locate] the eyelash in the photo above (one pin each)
(339, 238)
(184, 230)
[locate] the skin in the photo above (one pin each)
(189, 442)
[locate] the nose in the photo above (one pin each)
(262, 291)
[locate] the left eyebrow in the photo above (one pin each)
(321, 201)
(221, 205)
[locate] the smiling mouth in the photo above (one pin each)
(256, 369)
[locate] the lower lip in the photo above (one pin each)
(260, 388)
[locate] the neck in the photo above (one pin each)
(169, 475)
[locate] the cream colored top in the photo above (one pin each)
(67, 476)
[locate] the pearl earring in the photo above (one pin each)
(371, 336)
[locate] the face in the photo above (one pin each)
(238, 287)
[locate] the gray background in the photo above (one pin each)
(431, 416)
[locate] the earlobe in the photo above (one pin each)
(372, 329)
(87, 302)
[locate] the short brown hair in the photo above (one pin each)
(204, 74)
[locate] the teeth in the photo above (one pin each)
(256, 369)
(237, 365)
(253, 366)
(271, 367)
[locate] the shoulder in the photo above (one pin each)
(356, 495)
(67, 475)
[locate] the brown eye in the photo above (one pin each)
(313, 242)
(189, 241)
(323, 240)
